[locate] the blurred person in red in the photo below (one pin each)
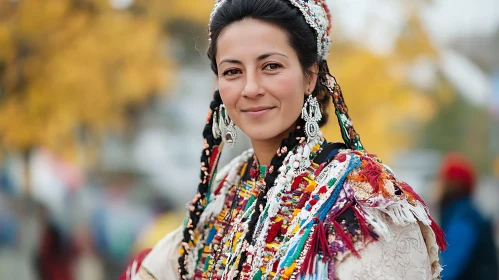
(53, 259)
(471, 251)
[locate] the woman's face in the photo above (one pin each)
(260, 79)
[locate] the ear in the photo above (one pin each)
(311, 78)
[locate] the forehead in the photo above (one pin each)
(251, 38)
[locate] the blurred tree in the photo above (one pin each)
(387, 108)
(461, 126)
(495, 166)
(197, 11)
(184, 21)
(71, 68)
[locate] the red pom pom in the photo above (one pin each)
(274, 230)
(341, 157)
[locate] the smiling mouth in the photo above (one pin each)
(257, 111)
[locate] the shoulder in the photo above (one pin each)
(158, 263)
(375, 186)
(376, 189)
(374, 183)
(378, 207)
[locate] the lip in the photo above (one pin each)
(257, 111)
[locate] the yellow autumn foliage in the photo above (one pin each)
(167, 11)
(386, 108)
(68, 67)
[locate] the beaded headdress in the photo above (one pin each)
(317, 16)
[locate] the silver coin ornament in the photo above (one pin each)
(311, 129)
(227, 127)
(311, 113)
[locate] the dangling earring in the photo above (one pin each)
(311, 116)
(227, 127)
(215, 129)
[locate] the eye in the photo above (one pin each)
(231, 72)
(272, 66)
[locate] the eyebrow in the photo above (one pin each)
(261, 57)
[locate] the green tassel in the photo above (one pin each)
(331, 182)
(258, 275)
(206, 263)
(248, 204)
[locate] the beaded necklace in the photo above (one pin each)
(299, 161)
(217, 239)
(296, 163)
(316, 214)
(302, 221)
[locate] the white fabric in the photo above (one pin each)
(406, 256)
(162, 262)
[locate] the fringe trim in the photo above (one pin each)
(401, 213)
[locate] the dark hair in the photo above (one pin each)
(302, 38)
(289, 19)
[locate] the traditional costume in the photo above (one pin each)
(330, 211)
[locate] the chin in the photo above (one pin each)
(262, 134)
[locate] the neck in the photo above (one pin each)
(266, 149)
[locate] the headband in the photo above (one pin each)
(317, 16)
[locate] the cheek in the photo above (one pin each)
(230, 93)
(289, 90)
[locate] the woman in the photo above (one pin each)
(311, 210)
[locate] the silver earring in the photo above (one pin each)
(311, 113)
(215, 129)
(227, 127)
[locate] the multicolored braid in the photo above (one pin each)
(209, 161)
(287, 145)
(348, 133)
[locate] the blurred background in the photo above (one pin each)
(102, 105)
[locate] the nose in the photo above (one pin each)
(252, 88)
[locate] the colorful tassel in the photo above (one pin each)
(319, 245)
